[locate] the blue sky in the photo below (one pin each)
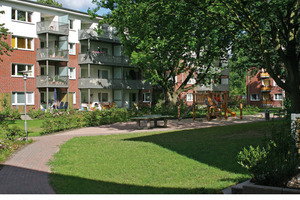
(81, 5)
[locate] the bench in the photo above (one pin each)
(150, 118)
(281, 112)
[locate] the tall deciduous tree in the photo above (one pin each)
(167, 38)
(50, 2)
(269, 31)
(4, 47)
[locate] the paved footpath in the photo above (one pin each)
(27, 171)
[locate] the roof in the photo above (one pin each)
(52, 6)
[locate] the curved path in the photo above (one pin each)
(27, 172)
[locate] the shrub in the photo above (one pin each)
(276, 161)
(12, 133)
(8, 113)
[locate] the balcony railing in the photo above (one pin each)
(52, 54)
(52, 27)
(52, 81)
(102, 59)
(96, 83)
(267, 102)
(264, 75)
(92, 34)
(266, 88)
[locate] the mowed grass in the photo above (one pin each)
(33, 126)
(190, 161)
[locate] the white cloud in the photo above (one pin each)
(81, 5)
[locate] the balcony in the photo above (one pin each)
(52, 27)
(93, 35)
(96, 83)
(102, 59)
(55, 82)
(267, 102)
(52, 54)
(266, 88)
(264, 75)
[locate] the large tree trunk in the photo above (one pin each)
(170, 98)
(295, 101)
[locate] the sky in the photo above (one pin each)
(81, 5)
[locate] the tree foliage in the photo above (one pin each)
(167, 38)
(4, 47)
(50, 2)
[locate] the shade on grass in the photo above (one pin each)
(190, 161)
(33, 126)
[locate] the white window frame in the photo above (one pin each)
(73, 75)
(189, 97)
(74, 97)
(73, 52)
(276, 95)
(26, 15)
(26, 69)
(145, 97)
(256, 99)
(71, 21)
(26, 43)
(15, 97)
(224, 81)
(191, 81)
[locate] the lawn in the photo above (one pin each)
(190, 161)
(33, 126)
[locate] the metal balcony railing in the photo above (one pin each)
(102, 59)
(94, 83)
(52, 54)
(52, 81)
(92, 34)
(266, 88)
(52, 27)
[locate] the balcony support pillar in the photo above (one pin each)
(89, 96)
(47, 95)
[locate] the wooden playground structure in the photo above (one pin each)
(216, 102)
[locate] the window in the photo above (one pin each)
(254, 97)
(278, 97)
(147, 97)
(20, 15)
(16, 70)
(72, 73)
(191, 81)
(189, 97)
(71, 24)
(74, 97)
(103, 97)
(72, 49)
(22, 43)
(18, 98)
(103, 74)
(224, 81)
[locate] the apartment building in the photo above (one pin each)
(262, 91)
(65, 60)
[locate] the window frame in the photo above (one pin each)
(26, 43)
(28, 15)
(71, 24)
(15, 98)
(26, 69)
(74, 48)
(145, 97)
(256, 99)
(277, 99)
(100, 72)
(100, 97)
(72, 77)
(189, 97)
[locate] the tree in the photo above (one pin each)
(4, 47)
(167, 38)
(269, 31)
(50, 2)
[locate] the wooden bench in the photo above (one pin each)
(281, 112)
(150, 118)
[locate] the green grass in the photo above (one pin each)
(33, 126)
(190, 161)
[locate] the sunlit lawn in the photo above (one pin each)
(190, 161)
(33, 126)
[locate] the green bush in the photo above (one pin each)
(276, 161)
(12, 133)
(8, 113)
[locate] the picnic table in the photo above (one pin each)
(150, 118)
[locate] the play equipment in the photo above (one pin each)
(216, 102)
